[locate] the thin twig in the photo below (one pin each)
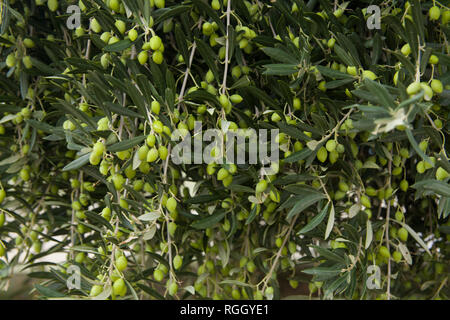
(186, 75)
(277, 257)
(227, 47)
(388, 212)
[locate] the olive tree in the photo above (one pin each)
(93, 91)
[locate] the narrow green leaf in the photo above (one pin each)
(210, 221)
(126, 144)
(304, 203)
(436, 186)
(77, 163)
(280, 69)
(414, 235)
(369, 234)
(338, 83)
(209, 56)
(328, 254)
(381, 92)
(118, 46)
(418, 18)
(416, 147)
(171, 12)
(180, 37)
(47, 292)
(297, 156)
(323, 271)
(315, 221)
(330, 223)
(343, 55)
(334, 74)
(280, 55)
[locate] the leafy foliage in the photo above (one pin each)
(85, 122)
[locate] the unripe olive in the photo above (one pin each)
(436, 86)
(235, 294)
(434, 13)
(236, 72)
(420, 167)
(155, 107)
(2, 249)
(222, 174)
(404, 185)
(37, 245)
(384, 252)
(96, 290)
(261, 186)
(28, 43)
(413, 88)
(53, 5)
(351, 70)
(343, 186)
(118, 181)
(171, 204)
(279, 242)
(366, 202)
(26, 60)
(157, 57)
(369, 74)
(123, 155)
(142, 57)
(163, 152)
(322, 86)
(402, 234)
(236, 99)
(105, 36)
(215, 4)
(322, 154)
(95, 26)
(121, 263)
(445, 17)
(433, 59)
(275, 117)
(11, 60)
(269, 292)
(119, 287)
(331, 145)
(106, 213)
(331, 42)
(441, 174)
(121, 26)
(142, 153)
(2, 195)
(160, 4)
(397, 256)
(173, 288)
(172, 228)
(274, 195)
(158, 274)
(155, 43)
(177, 262)
(406, 50)
(158, 126)
(428, 91)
